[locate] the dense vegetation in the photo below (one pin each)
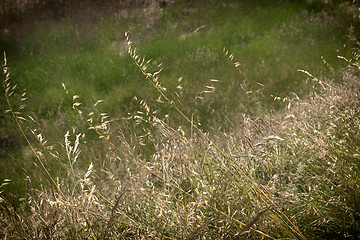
(230, 119)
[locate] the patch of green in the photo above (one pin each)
(270, 42)
(88, 53)
(147, 171)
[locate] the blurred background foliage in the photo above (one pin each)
(16, 10)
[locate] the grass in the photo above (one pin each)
(274, 177)
(82, 52)
(214, 164)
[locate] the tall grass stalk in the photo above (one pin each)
(16, 113)
(153, 80)
(287, 175)
(153, 172)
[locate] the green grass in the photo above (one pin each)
(270, 43)
(301, 163)
(181, 182)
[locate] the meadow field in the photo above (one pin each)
(180, 120)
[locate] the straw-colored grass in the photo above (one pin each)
(292, 174)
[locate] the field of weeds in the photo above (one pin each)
(237, 120)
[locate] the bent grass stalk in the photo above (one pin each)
(72, 171)
(140, 164)
(153, 80)
(7, 84)
(161, 178)
(230, 56)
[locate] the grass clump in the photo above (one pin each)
(292, 174)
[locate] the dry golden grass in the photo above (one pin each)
(291, 174)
